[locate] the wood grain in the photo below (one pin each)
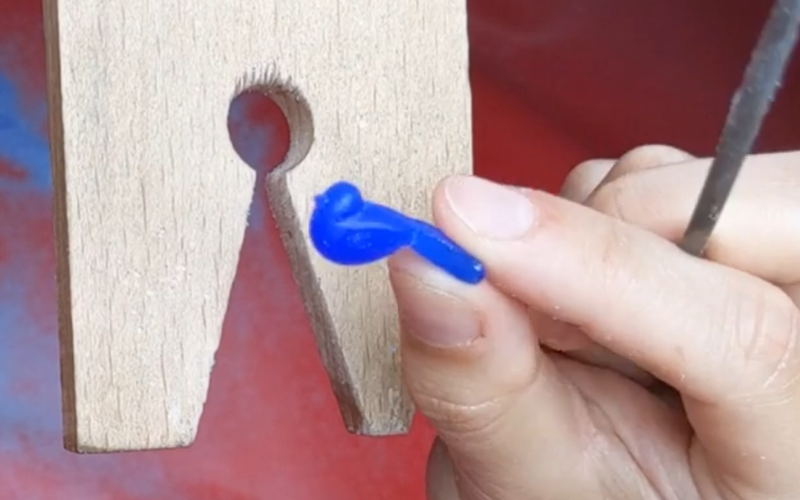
(151, 200)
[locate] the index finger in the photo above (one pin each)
(759, 230)
(709, 331)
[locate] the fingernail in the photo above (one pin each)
(491, 210)
(431, 305)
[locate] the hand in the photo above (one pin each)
(603, 283)
(656, 187)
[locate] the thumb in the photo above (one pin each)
(475, 370)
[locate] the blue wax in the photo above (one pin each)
(349, 230)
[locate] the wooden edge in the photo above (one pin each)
(56, 130)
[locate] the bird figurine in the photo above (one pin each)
(348, 230)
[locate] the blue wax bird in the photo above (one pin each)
(348, 230)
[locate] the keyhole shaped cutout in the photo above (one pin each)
(392, 115)
(271, 129)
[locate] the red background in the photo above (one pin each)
(554, 82)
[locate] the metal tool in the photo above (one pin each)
(749, 107)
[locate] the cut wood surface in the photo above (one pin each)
(151, 200)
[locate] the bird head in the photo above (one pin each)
(340, 200)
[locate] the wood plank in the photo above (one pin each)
(151, 199)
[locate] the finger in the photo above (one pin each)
(587, 176)
(584, 178)
(644, 157)
(793, 291)
(727, 340)
(573, 342)
(440, 479)
(627, 426)
(758, 231)
(627, 288)
(579, 185)
(474, 368)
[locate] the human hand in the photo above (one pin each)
(603, 283)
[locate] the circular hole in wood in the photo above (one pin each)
(270, 124)
(259, 130)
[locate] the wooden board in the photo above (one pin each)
(151, 200)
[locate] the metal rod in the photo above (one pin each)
(749, 107)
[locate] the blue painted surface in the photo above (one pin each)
(20, 144)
